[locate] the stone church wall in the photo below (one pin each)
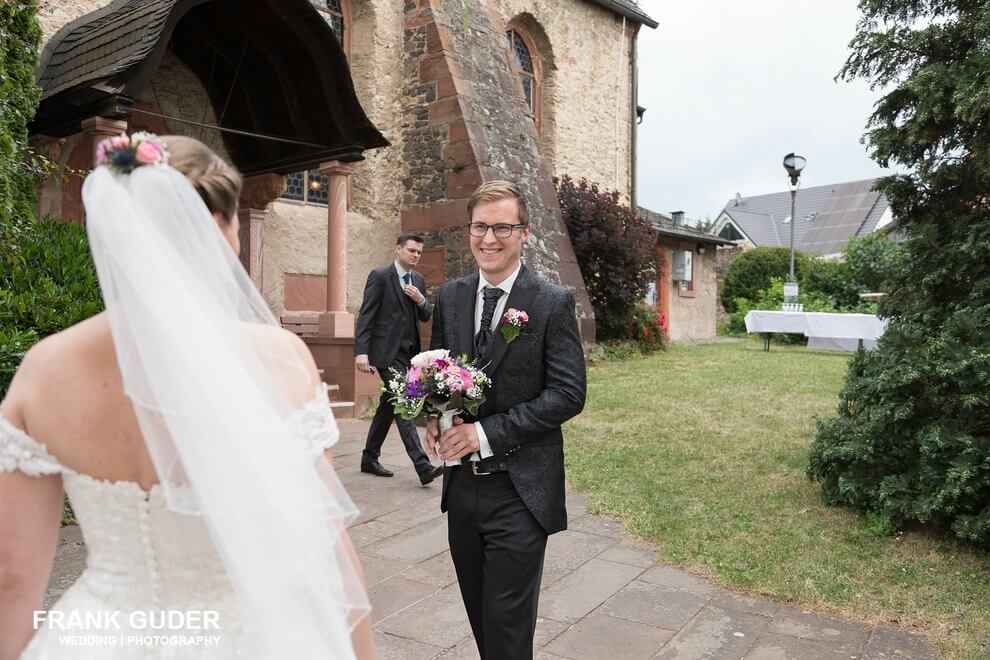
(586, 128)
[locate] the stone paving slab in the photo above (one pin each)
(585, 589)
(601, 637)
(603, 595)
(714, 633)
(892, 644)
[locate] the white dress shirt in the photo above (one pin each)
(479, 304)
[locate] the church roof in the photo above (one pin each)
(270, 67)
(629, 9)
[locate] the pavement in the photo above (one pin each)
(604, 595)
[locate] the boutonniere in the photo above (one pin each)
(512, 323)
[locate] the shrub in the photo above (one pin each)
(872, 260)
(615, 250)
(19, 97)
(911, 440)
(649, 329)
(751, 272)
(50, 286)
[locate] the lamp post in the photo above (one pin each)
(793, 164)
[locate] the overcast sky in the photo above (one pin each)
(731, 86)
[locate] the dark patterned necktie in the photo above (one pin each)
(407, 278)
(481, 340)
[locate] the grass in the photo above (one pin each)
(703, 449)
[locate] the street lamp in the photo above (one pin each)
(793, 164)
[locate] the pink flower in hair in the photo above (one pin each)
(149, 152)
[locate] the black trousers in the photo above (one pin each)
(382, 421)
(497, 547)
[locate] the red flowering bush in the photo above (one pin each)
(648, 329)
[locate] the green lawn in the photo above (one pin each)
(703, 449)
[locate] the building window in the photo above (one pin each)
(333, 12)
(685, 271)
(526, 68)
(730, 233)
(310, 187)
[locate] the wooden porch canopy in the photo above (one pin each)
(271, 67)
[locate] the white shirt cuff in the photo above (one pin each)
(485, 450)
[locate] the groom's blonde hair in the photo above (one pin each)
(493, 191)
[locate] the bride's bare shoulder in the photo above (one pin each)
(56, 358)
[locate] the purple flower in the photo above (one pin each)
(415, 389)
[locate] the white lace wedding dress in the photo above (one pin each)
(144, 558)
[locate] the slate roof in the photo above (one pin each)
(827, 216)
(106, 43)
(629, 9)
(295, 87)
(663, 225)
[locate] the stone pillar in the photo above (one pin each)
(336, 321)
(98, 128)
(252, 236)
(258, 192)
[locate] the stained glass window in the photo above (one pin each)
(295, 186)
(522, 66)
(333, 13)
(311, 187)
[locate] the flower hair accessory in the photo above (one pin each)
(512, 324)
(124, 154)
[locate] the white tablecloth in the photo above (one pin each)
(824, 330)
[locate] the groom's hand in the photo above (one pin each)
(432, 436)
(459, 441)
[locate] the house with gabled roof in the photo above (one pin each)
(827, 217)
(686, 285)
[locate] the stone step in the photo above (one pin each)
(342, 409)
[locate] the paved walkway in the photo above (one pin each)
(604, 596)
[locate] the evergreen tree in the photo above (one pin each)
(911, 440)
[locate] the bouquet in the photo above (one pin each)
(438, 385)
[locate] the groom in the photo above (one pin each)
(507, 495)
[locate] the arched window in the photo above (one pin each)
(311, 187)
(335, 13)
(526, 65)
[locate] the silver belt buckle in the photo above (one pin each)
(474, 468)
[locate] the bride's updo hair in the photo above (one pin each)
(216, 181)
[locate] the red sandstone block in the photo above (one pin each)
(445, 110)
(457, 132)
(458, 154)
(445, 88)
(433, 216)
(462, 183)
(433, 67)
(433, 42)
(433, 266)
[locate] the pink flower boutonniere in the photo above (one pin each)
(512, 324)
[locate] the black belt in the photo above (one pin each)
(486, 466)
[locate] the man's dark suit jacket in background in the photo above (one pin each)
(538, 383)
(388, 333)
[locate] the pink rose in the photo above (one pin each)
(415, 374)
(101, 150)
(120, 142)
(149, 153)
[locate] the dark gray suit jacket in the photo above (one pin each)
(538, 383)
(388, 316)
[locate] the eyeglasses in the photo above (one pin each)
(500, 230)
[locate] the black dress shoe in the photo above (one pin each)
(426, 478)
(375, 468)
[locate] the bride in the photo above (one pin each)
(188, 430)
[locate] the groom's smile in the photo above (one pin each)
(497, 256)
